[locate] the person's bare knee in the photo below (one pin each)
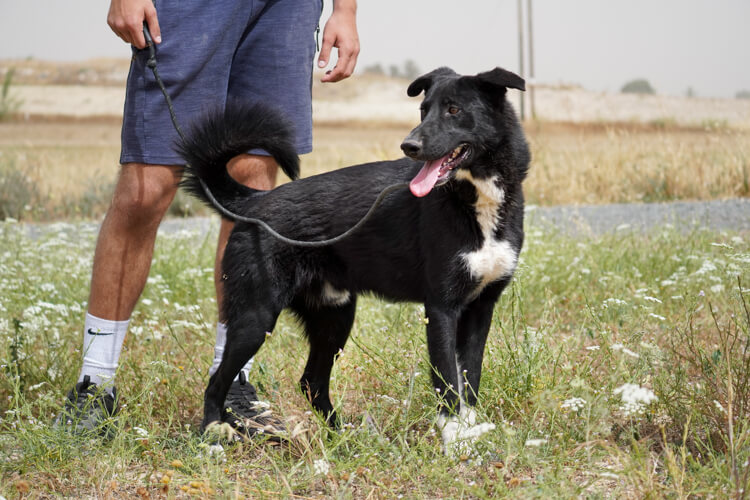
(255, 171)
(143, 192)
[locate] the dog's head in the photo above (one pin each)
(462, 118)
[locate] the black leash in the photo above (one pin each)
(151, 63)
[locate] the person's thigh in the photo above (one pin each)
(274, 62)
(194, 61)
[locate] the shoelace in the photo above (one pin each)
(242, 398)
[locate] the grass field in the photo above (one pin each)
(665, 311)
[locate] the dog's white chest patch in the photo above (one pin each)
(495, 259)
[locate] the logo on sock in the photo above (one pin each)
(92, 332)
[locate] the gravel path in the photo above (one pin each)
(731, 215)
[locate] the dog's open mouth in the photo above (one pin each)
(436, 172)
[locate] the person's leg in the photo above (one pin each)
(125, 245)
(122, 260)
(121, 263)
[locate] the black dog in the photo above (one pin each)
(451, 243)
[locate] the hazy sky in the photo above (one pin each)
(600, 44)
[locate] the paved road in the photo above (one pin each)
(732, 215)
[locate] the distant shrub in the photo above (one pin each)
(743, 94)
(8, 103)
(185, 205)
(94, 201)
(408, 70)
(375, 69)
(18, 192)
(639, 86)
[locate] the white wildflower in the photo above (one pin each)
(634, 398)
(630, 353)
(321, 467)
(573, 404)
(651, 299)
(613, 302)
(719, 407)
(706, 267)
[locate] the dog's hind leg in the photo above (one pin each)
(327, 328)
(246, 332)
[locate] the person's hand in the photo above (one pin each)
(126, 20)
(341, 32)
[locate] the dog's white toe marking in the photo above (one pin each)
(460, 433)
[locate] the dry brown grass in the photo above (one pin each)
(572, 163)
(594, 164)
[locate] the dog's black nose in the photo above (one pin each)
(411, 147)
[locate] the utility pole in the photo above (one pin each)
(530, 37)
(520, 54)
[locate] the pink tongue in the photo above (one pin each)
(425, 180)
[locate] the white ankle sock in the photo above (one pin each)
(102, 344)
(221, 340)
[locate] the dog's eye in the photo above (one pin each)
(453, 110)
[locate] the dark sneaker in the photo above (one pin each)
(88, 409)
(249, 416)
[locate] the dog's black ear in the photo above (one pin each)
(424, 82)
(499, 77)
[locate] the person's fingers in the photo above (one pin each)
(352, 63)
(325, 50)
(345, 64)
(153, 24)
(126, 21)
(136, 35)
(116, 23)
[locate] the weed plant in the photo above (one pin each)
(616, 366)
(9, 104)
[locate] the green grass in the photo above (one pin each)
(666, 311)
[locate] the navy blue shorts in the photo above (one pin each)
(215, 50)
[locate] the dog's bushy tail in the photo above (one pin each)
(222, 134)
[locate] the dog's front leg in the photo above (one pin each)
(473, 328)
(456, 422)
(441, 344)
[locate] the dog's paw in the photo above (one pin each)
(460, 432)
(221, 432)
